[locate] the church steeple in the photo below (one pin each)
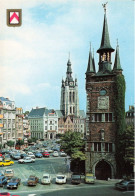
(105, 49)
(117, 65)
(91, 66)
(69, 71)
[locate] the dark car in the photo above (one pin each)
(13, 183)
(3, 181)
(23, 155)
(32, 180)
(38, 155)
(45, 154)
(76, 179)
(125, 185)
(7, 194)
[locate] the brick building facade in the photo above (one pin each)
(100, 119)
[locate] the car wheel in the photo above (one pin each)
(2, 165)
(11, 164)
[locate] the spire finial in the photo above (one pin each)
(69, 56)
(117, 42)
(90, 46)
(104, 6)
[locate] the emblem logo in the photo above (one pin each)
(14, 17)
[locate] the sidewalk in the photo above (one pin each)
(111, 181)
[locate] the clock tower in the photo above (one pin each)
(100, 112)
(69, 104)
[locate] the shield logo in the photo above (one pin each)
(14, 17)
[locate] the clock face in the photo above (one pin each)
(102, 92)
(71, 83)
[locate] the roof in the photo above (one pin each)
(117, 65)
(39, 112)
(60, 113)
(3, 99)
(105, 41)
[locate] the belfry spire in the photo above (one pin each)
(117, 65)
(105, 41)
(90, 68)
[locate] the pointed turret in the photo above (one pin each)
(105, 49)
(117, 65)
(91, 67)
(93, 60)
(69, 71)
(105, 41)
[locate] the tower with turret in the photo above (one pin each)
(69, 103)
(101, 127)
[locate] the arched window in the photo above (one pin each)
(70, 110)
(73, 96)
(74, 109)
(70, 96)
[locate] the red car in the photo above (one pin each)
(45, 154)
(7, 194)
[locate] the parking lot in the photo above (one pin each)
(51, 165)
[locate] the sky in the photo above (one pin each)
(33, 57)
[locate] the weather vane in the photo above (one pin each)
(104, 6)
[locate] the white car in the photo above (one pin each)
(55, 154)
(63, 154)
(30, 154)
(46, 179)
(61, 179)
(26, 160)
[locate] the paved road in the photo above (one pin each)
(55, 166)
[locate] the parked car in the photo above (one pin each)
(23, 155)
(32, 180)
(13, 183)
(55, 154)
(26, 160)
(89, 178)
(6, 163)
(1, 173)
(30, 154)
(125, 185)
(49, 150)
(63, 154)
(7, 194)
(45, 154)
(38, 155)
(61, 179)
(7, 157)
(76, 178)
(16, 156)
(46, 179)
(3, 181)
(9, 173)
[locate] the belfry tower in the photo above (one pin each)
(69, 94)
(100, 111)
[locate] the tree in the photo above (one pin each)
(73, 144)
(20, 142)
(119, 107)
(10, 143)
(26, 113)
(128, 144)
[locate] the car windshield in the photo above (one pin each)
(32, 179)
(13, 180)
(75, 176)
(123, 182)
(60, 177)
(89, 177)
(8, 172)
(46, 177)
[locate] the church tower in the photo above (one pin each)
(100, 112)
(69, 94)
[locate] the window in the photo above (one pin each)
(110, 147)
(50, 127)
(70, 110)
(110, 116)
(73, 96)
(45, 127)
(55, 127)
(95, 146)
(99, 147)
(106, 147)
(70, 96)
(50, 122)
